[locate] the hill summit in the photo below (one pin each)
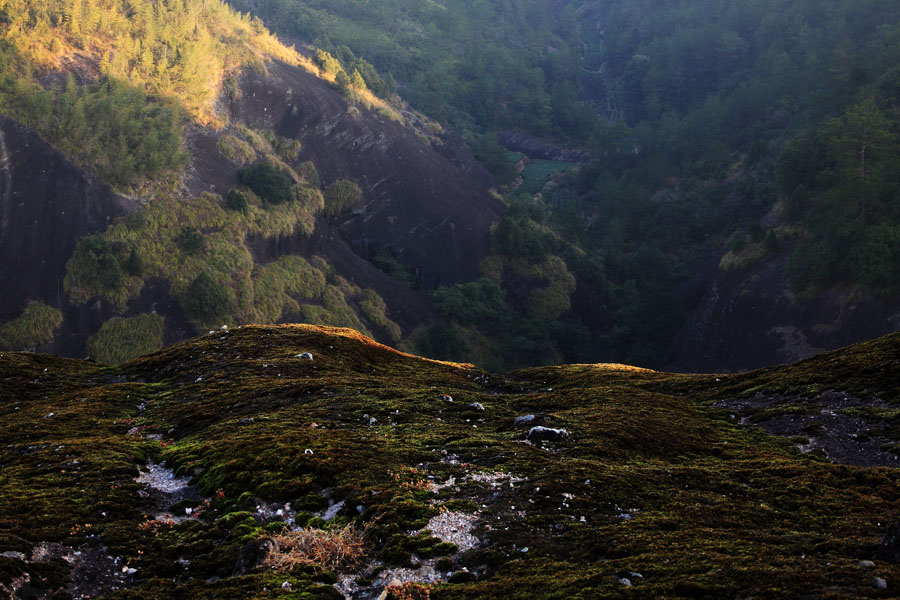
(310, 462)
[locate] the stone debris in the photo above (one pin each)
(455, 527)
(304, 356)
(879, 583)
(494, 478)
(332, 511)
(162, 479)
(477, 406)
(540, 433)
(523, 420)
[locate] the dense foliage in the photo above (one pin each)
(135, 71)
(685, 106)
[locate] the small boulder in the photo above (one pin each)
(304, 356)
(477, 406)
(879, 584)
(523, 420)
(546, 434)
(866, 564)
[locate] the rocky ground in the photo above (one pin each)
(306, 462)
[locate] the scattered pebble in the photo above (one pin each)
(477, 406)
(455, 527)
(304, 356)
(162, 479)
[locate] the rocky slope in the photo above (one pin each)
(425, 202)
(305, 462)
(749, 318)
(46, 205)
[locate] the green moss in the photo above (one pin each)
(34, 327)
(649, 479)
(121, 339)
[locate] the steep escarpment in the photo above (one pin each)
(298, 460)
(46, 205)
(429, 210)
(750, 318)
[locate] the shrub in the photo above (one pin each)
(206, 300)
(520, 237)
(34, 327)
(94, 269)
(340, 196)
(737, 241)
(121, 339)
(236, 200)
(332, 549)
(268, 182)
(190, 240)
(308, 172)
(236, 150)
(135, 264)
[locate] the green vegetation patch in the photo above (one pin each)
(340, 196)
(538, 172)
(34, 327)
(180, 239)
(121, 339)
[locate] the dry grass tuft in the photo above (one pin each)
(332, 549)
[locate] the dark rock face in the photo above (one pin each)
(749, 318)
(433, 212)
(427, 204)
(46, 205)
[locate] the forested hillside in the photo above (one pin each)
(125, 72)
(701, 118)
(640, 153)
(150, 99)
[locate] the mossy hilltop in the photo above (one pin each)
(653, 492)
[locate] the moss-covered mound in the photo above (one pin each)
(311, 462)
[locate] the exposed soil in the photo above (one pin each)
(826, 425)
